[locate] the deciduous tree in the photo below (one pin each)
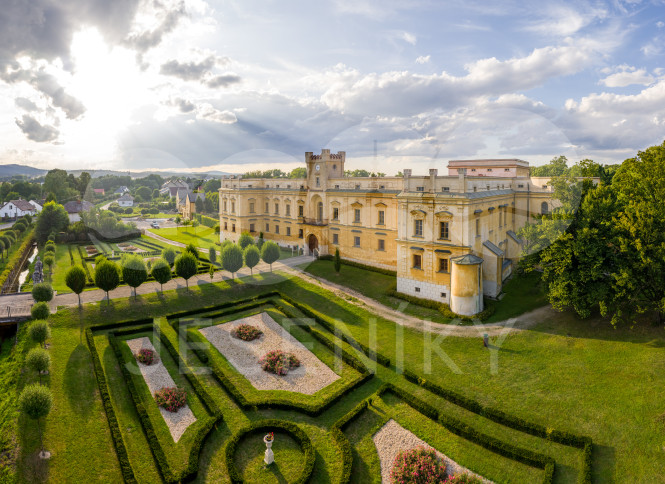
(252, 257)
(186, 266)
(107, 277)
(270, 253)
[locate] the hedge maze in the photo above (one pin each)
(359, 395)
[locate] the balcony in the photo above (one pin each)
(313, 221)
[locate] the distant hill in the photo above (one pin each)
(8, 171)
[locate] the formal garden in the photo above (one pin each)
(562, 405)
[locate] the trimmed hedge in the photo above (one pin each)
(16, 257)
(268, 426)
(116, 435)
(229, 304)
(443, 308)
(367, 267)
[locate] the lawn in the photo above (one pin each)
(523, 293)
(201, 236)
(579, 376)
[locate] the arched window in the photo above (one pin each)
(319, 213)
(544, 208)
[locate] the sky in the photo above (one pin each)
(243, 85)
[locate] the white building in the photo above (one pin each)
(75, 207)
(37, 204)
(17, 208)
(126, 200)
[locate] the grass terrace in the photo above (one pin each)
(583, 379)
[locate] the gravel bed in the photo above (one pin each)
(392, 438)
(157, 377)
(310, 377)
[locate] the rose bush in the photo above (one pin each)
(171, 398)
(246, 332)
(146, 356)
(279, 362)
(418, 466)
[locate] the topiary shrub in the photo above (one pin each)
(279, 362)
(146, 356)
(171, 398)
(40, 311)
(418, 466)
(246, 332)
(42, 292)
(39, 331)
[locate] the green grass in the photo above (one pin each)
(249, 459)
(580, 376)
(202, 237)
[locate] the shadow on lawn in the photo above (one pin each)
(604, 463)
(78, 381)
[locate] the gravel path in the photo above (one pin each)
(310, 377)
(392, 438)
(157, 377)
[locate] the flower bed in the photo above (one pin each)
(417, 466)
(171, 398)
(247, 332)
(146, 356)
(279, 362)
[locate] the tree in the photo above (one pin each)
(107, 277)
(252, 257)
(186, 266)
(212, 255)
(338, 261)
(186, 223)
(169, 254)
(42, 292)
(212, 185)
(48, 262)
(155, 194)
(556, 167)
(75, 280)
(232, 259)
(40, 310)
(2, 248)
(39, 332)
(134, 271)
(199, 204)
(161, 271)
(144, 192)
(245, 240)
(38, 360)
(177, 221)
(52, 218)
(83, 182)
(300, 172)
(191, 248)
(259, 241)
(195, 223)
(35, 402)
(270, 253)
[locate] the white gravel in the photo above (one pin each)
(157, 377)
(310, 377)
(392, 438)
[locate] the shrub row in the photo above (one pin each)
(15, 258)
(525, 456)
(443, 308)
(192, 312)
(367, 267)
(330, 326)
(500, 417)
(269, 426)
(85, 265)
(116, 435)
(207, 221)
(336, 430)
(71, 256)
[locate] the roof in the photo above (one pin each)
(37, 202)
(514, 236)
(76, 206)
(121, 189)
(493, 248)
(467, 260)
(126, 198)
(488, 162)
(23, 205)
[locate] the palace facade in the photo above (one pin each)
(451, 238)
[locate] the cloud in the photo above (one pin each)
(147, 39)
(223, 80)
(183, 105)
(35, 131)
(564, 20)
(26, 104)
(207, 112)
(188, 71)
(626, 76)
(408, 38)
(406, 93)
(423, 59)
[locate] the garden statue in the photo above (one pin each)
(38, 275)
(269, 456)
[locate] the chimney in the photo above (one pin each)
(407, 179)
(461, 173)
(432, 179)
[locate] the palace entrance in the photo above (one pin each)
(312, 242)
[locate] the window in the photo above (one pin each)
(318, 181)
(475, 189)
(356, 241)
(226, 226)
(300, 211)
(225, 205)
(443, 265)
(233, 228)
(520, 185)
(356, 215)
(489, 169)
(382, 217)
(506, 169)
(382, 187)
(267, 227)
(276, 229)
(251, 207)
(251, 228)
(418, 228)
(382, 245)
(288, 210)
(336, 186)
(335, 213)
(473, 169)
(334, 167)
(445, 189)
(319, 211)
(288, 231)
(276, 208)
(500, 218)
(443, 295)
(477, 227)
(267, 207)
(544, 208)
(357, 187)
(417, 289)
(335, 239)
(300, 233)
(233, 207)
(443, 230)
(420, 189)
(417, 261)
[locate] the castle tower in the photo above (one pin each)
(322, 167)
